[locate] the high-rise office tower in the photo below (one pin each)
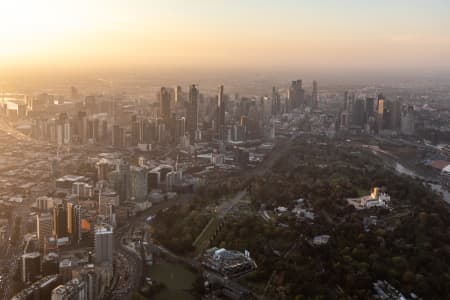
(103, 167)
(220, 119)
(149, 131)
(192, 111)
(90, 129)
(380, 105)
(95, 130)
(154, 179)
(59, 133)
(67, 132)
(117, 136)
(104, 130)
(134, 130)
(161, 133)
(396, 114)
(50, 264)
(44, 224)
(65, 269)
(171, 180)
(164, 103)
(178, 95)
(82, 128)
(141, 130)
(383, 113)
(408, 121)
(74, 222)
(345, 102)
(123, 180)
(30, 266)
(180, 127)
(346, 115)
(60, 221)
(106, 209)
(44, 203)
(291, 98)
(370, 107)
(104, 243)
(349, 99)
(92, 279)
(276, 102)
(296, 94)
(138, 183)
(315, 94)
(358, 113)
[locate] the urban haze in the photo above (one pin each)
(181, 150)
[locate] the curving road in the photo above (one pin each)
(135, 263)
(7, 129)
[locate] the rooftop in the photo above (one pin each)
(103, 229)
(446, 170)
(24, 294)
(65, 263)
(72, 178)
(31, 255)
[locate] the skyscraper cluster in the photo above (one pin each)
(177, 119)
(376, 115)
(296, 95)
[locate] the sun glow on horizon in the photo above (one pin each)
(224, 33)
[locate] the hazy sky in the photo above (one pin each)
(282, 34)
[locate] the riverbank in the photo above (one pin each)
(177, 279)
(402, 168)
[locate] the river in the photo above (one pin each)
(177, 279)
(399, 168)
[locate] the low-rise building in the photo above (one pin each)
(445, 177)
(41, 289)
(74, 289)
(320, 240)
(375, 199)
(227, 262)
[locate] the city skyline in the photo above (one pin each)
(224, 149)
(330, 35)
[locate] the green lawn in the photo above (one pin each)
(201, 243)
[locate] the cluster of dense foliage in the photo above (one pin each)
(177, 227)
(328, 173)
(409, 246)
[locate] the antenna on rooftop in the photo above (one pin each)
(100, 197)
